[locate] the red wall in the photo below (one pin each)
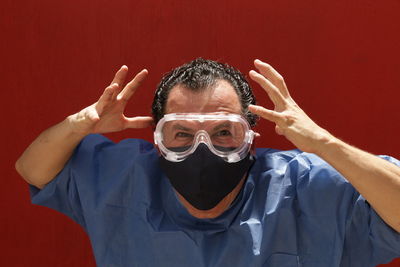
(340, 60)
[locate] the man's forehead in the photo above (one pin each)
(221, 97)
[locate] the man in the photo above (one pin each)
(206, 196)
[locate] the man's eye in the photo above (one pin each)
(183, 135)
(224, 133)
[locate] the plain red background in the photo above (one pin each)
(340, 59)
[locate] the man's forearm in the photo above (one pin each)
(376, 179)
(47, 155)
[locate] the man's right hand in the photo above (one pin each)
(107, 114)
(49, 152)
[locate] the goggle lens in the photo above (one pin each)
(222, 135)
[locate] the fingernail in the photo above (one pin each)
(253, 72)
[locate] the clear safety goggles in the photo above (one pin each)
(178, 135)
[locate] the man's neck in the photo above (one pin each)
(217, 210)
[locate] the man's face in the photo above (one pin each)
(203, 196)
(220, 98)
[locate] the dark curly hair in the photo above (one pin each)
(200, 74)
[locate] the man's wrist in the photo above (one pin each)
(74, 130)
(325, 143)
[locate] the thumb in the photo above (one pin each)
(267, 114)
(138, 122)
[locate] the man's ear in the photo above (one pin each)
(155, 145)
(253, 145)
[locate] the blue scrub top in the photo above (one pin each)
(294, 210)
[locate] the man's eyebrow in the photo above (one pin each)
(177, 126)
(226, 124)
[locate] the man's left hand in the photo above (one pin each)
(291, 121)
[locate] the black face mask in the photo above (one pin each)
(204, 178)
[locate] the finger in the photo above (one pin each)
(131, 87)
(273, 92)
(116, 91)
(139, 122)
(271, 74)
(106, 97)
(120, 76)
(266, 113)
(119, 79)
